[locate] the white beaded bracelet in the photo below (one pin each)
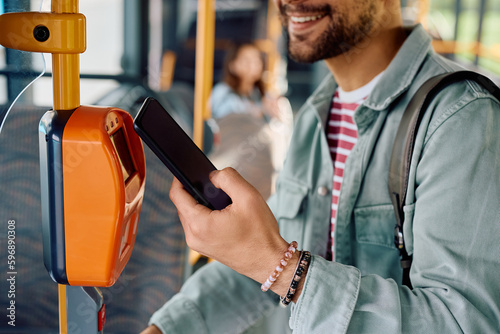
(279, 269)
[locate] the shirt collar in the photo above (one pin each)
(402, 70)
(396, 79)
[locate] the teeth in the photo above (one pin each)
(303, 19)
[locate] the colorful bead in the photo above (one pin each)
(302, 265)
(279, 269)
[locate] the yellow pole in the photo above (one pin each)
(63, 315)
(423, 12)
(204, 72)
(66, 67)
(205, 35)
(273, 34)
(66, 86)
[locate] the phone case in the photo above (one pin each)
(204, 192)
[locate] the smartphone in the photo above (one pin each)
(179, 153)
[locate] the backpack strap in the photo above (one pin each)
(404, 143)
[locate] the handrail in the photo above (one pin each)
(273, 35)
(476, 48)
(205, 36)
(65, 67)
(66, 91)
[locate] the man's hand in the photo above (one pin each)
(243, 236)
(151, 330)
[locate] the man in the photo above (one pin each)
(332, 197)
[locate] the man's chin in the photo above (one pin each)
(303, 54)
(304, 49)
(311, 52)
(304, 59)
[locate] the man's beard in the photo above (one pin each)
(337, 39)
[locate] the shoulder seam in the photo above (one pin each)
(434, 125)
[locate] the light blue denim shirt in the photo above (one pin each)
(452, 220)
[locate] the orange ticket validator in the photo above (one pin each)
(93, 174)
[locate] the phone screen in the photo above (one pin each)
(179, 153)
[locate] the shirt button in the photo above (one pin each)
(322, 191)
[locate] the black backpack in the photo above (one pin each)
(404, 143)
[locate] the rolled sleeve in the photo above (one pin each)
(328, 298)
(215, 299)
(171, 318)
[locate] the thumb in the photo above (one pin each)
(232, 183)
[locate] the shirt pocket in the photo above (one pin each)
(291, 203)
(375, 225)
(375, 250)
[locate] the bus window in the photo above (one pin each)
(3, 88)
(465, 31)
(16, 67)
(99, 59)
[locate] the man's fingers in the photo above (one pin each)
(231, 182)
(183, 201)
(179, 195)
(195, 218)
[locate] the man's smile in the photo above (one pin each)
(303, 19)
(300, 18)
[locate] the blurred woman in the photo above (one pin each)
(241, 89)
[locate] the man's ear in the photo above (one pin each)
(277, 3)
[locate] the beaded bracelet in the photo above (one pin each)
(279, 269)
(302, 265)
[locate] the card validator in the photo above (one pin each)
(93, 173)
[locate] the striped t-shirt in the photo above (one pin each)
(342, 135)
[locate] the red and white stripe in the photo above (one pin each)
(342, 135)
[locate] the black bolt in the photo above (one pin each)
(41, 33)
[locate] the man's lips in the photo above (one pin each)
(300, 23)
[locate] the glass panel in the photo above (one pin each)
(446, 24)
(3, 88)
(2, 57)
(40, 5)
(91, 90)
(19, 69)
(490, 37)
(104, 36)
(42, 92)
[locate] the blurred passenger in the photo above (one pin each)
(242, 89)
(254, 128)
